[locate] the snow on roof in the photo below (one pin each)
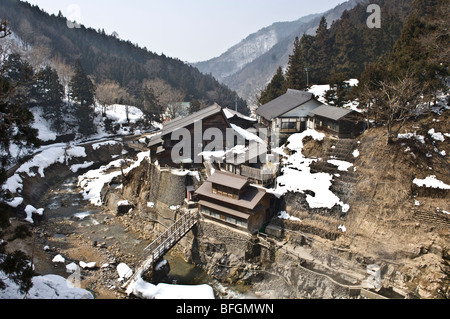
(229, 113)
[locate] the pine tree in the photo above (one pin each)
(81, 91)
(274, 89)
(81, 88)
(49, 94)
(415, 53)
(347, 45)
(152, 108)
(298, 61)
(15, 118)
(320, 59)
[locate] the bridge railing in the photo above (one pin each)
(165, 242)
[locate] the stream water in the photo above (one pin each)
(65, 208)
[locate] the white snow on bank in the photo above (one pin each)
(118, 113)
(297, 177)
(123, 203)
(431, 181)
(414, 135)
(96, 146)
(16, 201)
(44, 287)
(321, 90)
(92, 182)
(30, 210)
(124, 271)
(437, 136)
(57, 154)
(44, 132)
(76, 167)
(59, 259)
(341, 165)
(284, 215)
(146, 290)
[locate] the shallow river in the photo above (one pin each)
(65, 206)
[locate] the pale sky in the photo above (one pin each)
(190, 30)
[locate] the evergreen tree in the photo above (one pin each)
(81, 91)
(194, 106)
(415, 54)
(81, 88)
(49, 94)
(19, 74)
(274, 89)
(298, 61)
(348, 57)
(321, 53)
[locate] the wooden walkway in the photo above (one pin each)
(161, 245)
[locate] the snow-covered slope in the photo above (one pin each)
(252, 47)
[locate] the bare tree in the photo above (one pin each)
(169, 97)
(65, 73)
(397, 100)
(109, 93)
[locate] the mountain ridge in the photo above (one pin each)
(240, 54)
(106, 57)
(249, 79)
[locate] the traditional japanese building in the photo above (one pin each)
(195, 141)
(288, 114)
(337, 121)
(230, 200)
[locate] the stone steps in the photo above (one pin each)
(439, 219)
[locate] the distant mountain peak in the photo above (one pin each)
(249, 65)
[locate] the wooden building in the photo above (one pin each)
(162, 145)
(231, 200)
(337, 121)
(287, 114)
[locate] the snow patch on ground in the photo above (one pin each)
(431, 181)
(297, 177)
(92, 182)
(146, 290)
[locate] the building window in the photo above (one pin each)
(289, 124)
(242, 223)
(227, 218)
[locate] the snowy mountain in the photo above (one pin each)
(248, 66)
(252, 47)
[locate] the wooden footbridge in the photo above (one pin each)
(161, 245)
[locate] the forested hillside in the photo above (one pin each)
(342, 50)
(108, 58)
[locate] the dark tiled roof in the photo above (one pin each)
(283, 104)
(228, 179)
(250, 199)
(180, 122)
(331, 112)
